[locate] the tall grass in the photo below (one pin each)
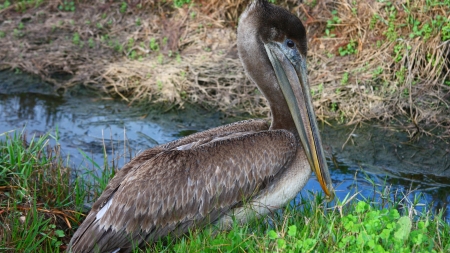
(40, 208)
(38, 200)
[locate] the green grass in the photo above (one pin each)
(40, 209)
(39, 201)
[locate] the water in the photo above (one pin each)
(374, 158)
(92, 125)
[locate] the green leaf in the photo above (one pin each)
(59, 233)
(404, 228)
(273, 235)
(281, 243)
(361, 207)
(292, 230)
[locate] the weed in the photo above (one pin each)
(160, 59)
(67, 6)
(17, 33)
(331, 23)
(401, 75)
(130, 43)
(374, 20)
(349, 49)
(344, 79)
(154, 46)
(320, 88)
(379, 43)
(17, 71)
(400, 50)
(180, 3)
(334, 106)
(133, 54)
(2, 34)
(123, 7)
(391, 32)
(406, 92)
(445, 31)
(159, 84)
(138, 21)
(117, 46)
(5, 5)
(91, 43)
(76, 38)
(378, 71)
(341, 117)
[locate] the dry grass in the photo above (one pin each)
(151, 51)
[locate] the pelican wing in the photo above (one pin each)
(245, 126)
(179, 188)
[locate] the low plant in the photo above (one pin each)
(67, 6)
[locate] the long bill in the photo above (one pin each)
(293, 80)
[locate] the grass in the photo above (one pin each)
(41, 207)
(39, 201)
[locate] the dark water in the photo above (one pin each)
(374, 158)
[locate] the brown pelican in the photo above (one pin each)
(241, 170)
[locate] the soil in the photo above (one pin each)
(367, 61)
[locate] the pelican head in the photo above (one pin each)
(272, 46)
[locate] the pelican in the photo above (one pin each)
(235, 172)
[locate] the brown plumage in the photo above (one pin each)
(207, 177)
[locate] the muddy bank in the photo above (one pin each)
(367, 59)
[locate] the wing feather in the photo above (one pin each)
(175, 189)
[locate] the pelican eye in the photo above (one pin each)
(290, 43)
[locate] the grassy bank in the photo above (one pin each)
(41, 208)
(367, 59)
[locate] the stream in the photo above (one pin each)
(368, 158)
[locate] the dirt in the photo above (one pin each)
(367, 60)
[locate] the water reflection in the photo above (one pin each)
(93, 125)
(366, 165)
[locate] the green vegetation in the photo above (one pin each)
(41, 207)
(349, 49)
(180, 3)
(76, 39)
(123, 7)
(21, 5)
(344, 79)
(5, 5)
(39, 202)
(67, 6)
(331, 23)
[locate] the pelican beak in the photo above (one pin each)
(290, 69)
